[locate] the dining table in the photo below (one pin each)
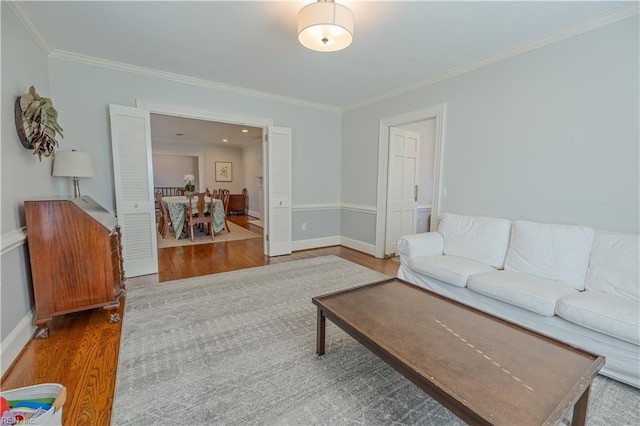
(176, 206)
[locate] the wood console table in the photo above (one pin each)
(76, 258)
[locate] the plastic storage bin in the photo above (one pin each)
(53, 416)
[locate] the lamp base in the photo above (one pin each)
(76, 187)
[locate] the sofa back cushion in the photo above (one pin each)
(555, 252)
(614, 265)
(483, 239)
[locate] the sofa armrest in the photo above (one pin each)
(425, 244)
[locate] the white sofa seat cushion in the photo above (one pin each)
(535, 294)
(450, 269)
(614, 265)
(483, 239)
(555, 252)
(606, 313)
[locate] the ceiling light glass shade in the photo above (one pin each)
(325, 26)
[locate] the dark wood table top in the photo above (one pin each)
(486, 369)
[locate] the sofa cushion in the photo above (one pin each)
(609, 314)
(450, 269)
(483, 239)
(529, 292)
(555, 252)
(614, 265)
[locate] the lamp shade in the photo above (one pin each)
(72, 164)
(325, 26)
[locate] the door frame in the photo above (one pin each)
(203, 114)
(437, 112)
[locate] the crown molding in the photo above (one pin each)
(567, 32)
(607, 18)
(180, 78)
(29, 23)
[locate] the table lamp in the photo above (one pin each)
(73, 164)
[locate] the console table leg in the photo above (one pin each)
(580, 409)
(114, 315)
(320, 332)
(43, 328)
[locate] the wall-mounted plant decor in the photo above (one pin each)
(37, 123)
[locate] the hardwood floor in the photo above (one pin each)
(82, 350)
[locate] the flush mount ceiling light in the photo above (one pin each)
(325, 26)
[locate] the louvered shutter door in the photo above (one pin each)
(133, 176)
(279, 195)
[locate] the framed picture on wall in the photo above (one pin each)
(223, 172)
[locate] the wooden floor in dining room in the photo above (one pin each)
(82, 350)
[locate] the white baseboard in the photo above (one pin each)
(16, 340)
(334, 241)
(315, 243)
(358, 245)
(254, 214)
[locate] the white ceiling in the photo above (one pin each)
(178, 130)
(252, 45)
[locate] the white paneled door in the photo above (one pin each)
(278, 225)
(402, 186)
(133, 176)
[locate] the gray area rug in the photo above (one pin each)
(238, 348)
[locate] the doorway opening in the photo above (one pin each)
(214, 144)
(429, 120)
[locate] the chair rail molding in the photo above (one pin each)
(314, 207)
(13, 239)
(360, 208)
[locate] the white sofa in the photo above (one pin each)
(565, 281)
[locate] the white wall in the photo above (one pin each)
(316, 132)
(81, 94)
(210, 154)
(23, 175)
(550, 135)
(169, 170)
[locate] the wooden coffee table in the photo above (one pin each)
(485, 370)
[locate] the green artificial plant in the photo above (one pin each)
(39, 123)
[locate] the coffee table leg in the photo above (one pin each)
(580, 409)
(320, 332)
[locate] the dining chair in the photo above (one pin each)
(225, 194)
(157, 192)
(165, 221)
(245, 201)
(198, 216)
